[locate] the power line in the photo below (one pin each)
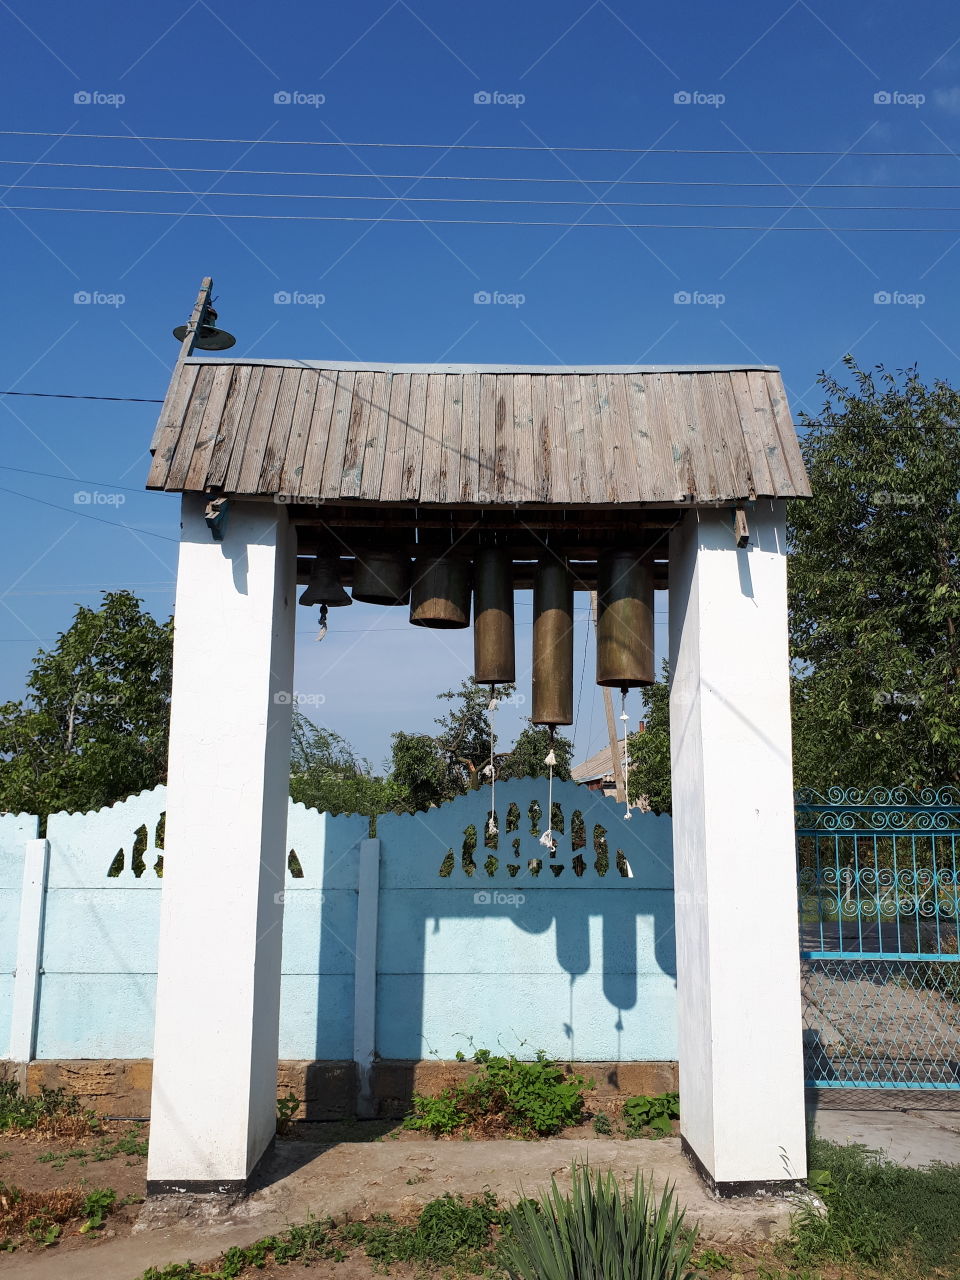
(50, 475)
(522, 200)
(63, 395)
(83, 515)
(473, 222)
(458, 177)
(470, 146)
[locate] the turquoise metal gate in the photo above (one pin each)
(879, 902)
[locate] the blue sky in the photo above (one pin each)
(799, 289)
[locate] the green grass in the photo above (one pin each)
(52, 1112)
(878, 1212)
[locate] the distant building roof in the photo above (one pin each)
(597, 766)
(477, 435)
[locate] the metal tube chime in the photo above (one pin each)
(624, 621)
(494, 660)
(552, 643)
(381, 577)
(440, 595)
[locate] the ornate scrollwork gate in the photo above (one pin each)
(879, 902)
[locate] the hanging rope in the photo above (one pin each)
(626, 758)
(550, 759)
(490, 769)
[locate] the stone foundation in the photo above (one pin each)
(328, 1090)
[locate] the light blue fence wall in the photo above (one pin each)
(564, 948)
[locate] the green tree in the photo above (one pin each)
(875, 585)
(649, 751)
(93, 728)
(326, 773)
(526, 759)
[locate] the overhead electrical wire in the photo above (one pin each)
(469, 146)
(471, 222)
(63, 395)
(463, 177)
(528, 200)
(84, 515)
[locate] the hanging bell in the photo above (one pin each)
(381, 577)
(494, 660)
(552, 644)
(323, 585)
(440, 594)
(624, 621)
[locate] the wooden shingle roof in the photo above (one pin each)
(462, 435)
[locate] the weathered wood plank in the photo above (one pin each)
(271, 461)
(624, 474)
(291, 467)
(751, 427)
(741, 477)
(360, 412)
(332, 476)
(170, 424)
(470, 439)
(487, 476)
(433, 437)
(309, 482)
(521, 487)
(246, 381)
(375, 447)
(574, 430)
(449, 480)
(556, 429)
(248, 480)
(190, 431)
(391, 482)
(413, 439)
(594, 444)
(796, 480)
(543, 456)
(227, 385)
(504, 439)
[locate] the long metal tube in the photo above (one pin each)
(494, 652)
(552, 643)
(624, 621)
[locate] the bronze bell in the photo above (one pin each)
(552, 643)
(381, 577)
(494, 659)
(323, 585)
(624, 621)
(440, 594)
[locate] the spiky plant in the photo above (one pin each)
(597, 1232)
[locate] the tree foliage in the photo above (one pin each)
(875, 585)
(326, 773)
(93, 726)
(649, 752)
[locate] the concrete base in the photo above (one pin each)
(732, 1190)
(328, 1090)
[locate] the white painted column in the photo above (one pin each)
(26, 982)
(365, 974)
(741, 1065)
(213, 1111)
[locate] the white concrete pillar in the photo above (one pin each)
(213, 1111)
(738, 967)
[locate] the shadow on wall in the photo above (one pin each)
(556, 932)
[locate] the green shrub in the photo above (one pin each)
(597, 1231)
(52, 1112)
(651, 1111)
(506, 1095)
(449, 1229)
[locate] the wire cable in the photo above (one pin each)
(468, 146)
(64, 395)
(460, 177)
(472, 222)
(83, 515)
